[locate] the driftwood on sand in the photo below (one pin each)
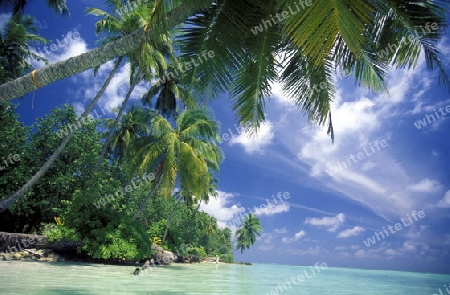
(14, 242)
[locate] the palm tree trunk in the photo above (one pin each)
(168, 221)
(114, 125)
(152, 192)
(88, 60)
(144, 203)
(223, 246)
(4, 204)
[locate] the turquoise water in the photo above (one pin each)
(27, 277)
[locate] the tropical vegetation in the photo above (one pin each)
(171, 133)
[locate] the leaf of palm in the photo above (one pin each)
(318, 26)
(399, 21)
(219, 29)
(302, 82)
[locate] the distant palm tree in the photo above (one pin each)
(167, 91)
(246, 234)
(15, 54)
(19, 5)
(144, 61)
(134, 125)
(187, 153)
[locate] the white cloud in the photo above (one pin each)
(254, 143)
(368, 165)
(220, 208)
(447, 239)
(115, 92)
(308, 252)
(70, 44)
(408, 246)
(266, 237)
(351, 232)
(424, 186)
(271, 210)
(445, 201)
(296, 237)
(277, 93)
(265, 247)
(281, 230)
(370, 253)
(360, 118)
(392, 252)
(360, 253)
(333, 223)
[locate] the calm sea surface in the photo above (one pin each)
(26, 277)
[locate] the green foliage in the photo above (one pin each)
(95, 207)
(52, 194)
(15, 53)
(226, 257)
(14, 138)
(56, 233)
(156, 229)
(199, 251)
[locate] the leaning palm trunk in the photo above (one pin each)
(88, 60)
(169, 220)
(151, 193)
(223, 246)
(4, 204)
(114, 125)
(144, 203)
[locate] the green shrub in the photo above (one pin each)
(199, 251)
(55, 232)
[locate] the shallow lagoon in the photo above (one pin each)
(27, 277)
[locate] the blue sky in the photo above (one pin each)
(332, 210)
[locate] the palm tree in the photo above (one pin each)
(113, 26)
(93, 58)
(148, 58)
(246, 234)
(324, 37)
(350, 29)
(316, 41)
(187, 154)
(168, 91)
(15, 54)
(19, 5)
(134, 125)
